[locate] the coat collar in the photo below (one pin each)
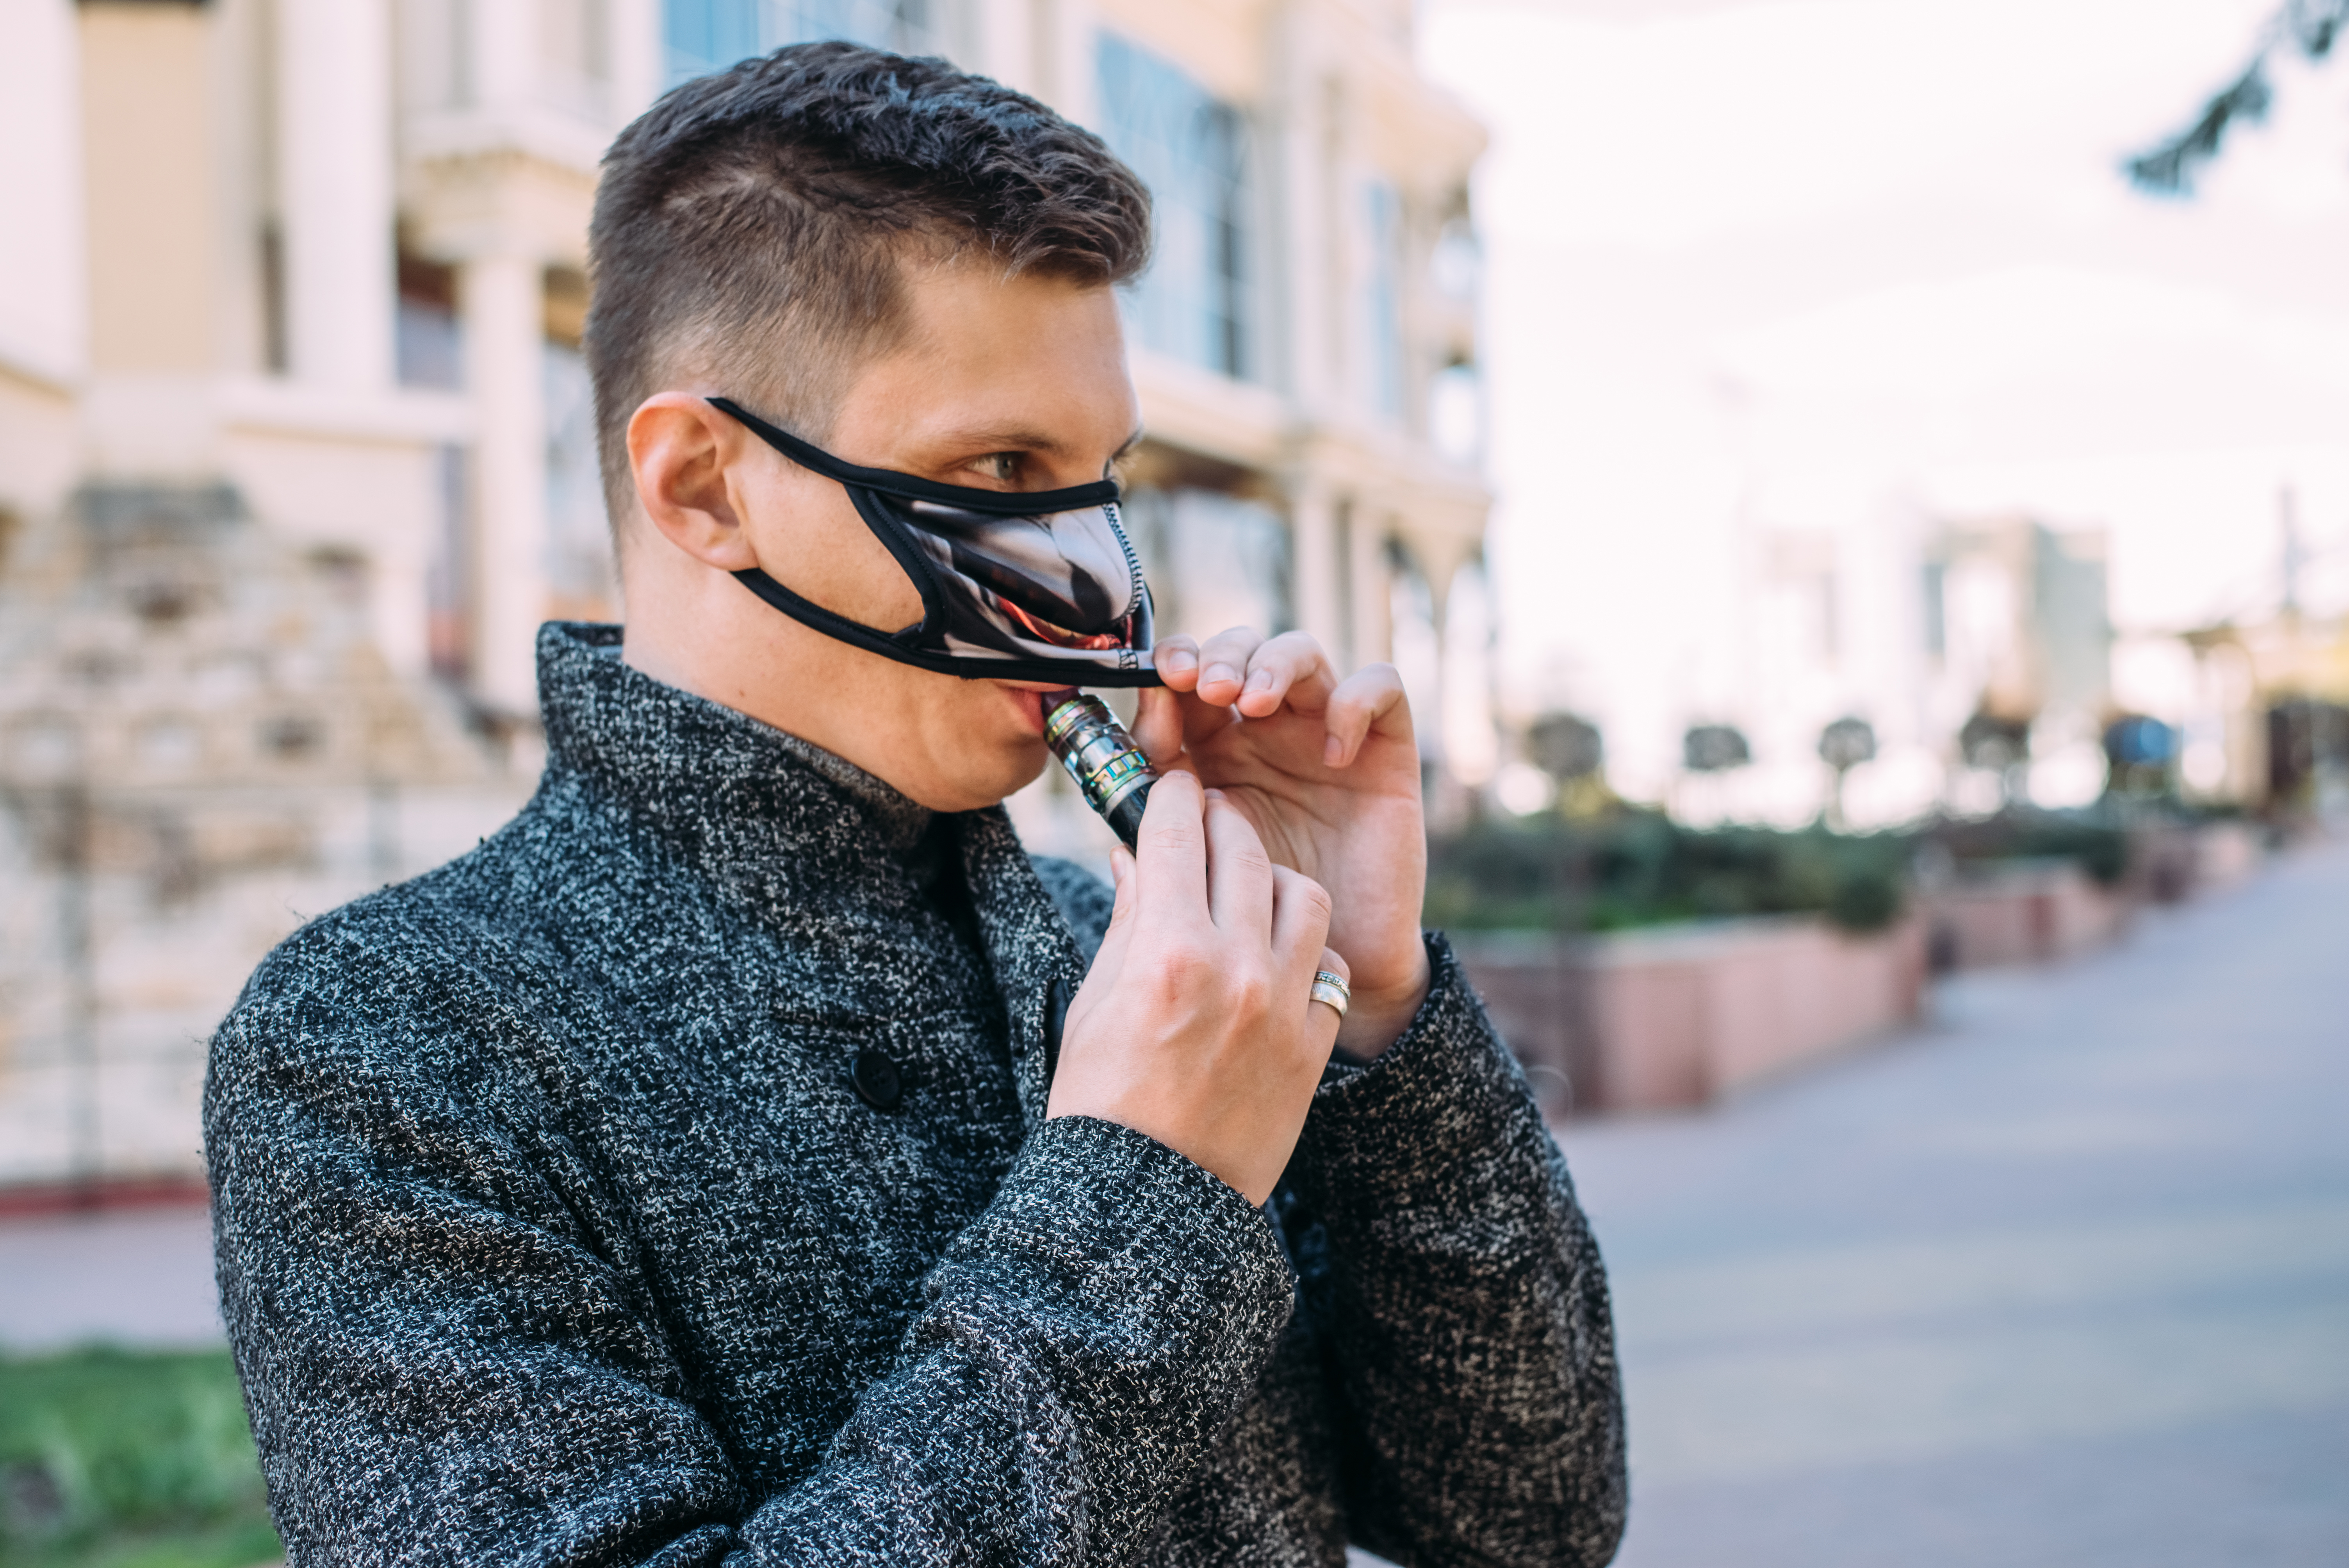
(796, 836)
(703, 773)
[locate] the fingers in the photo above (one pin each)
(1248, 676)
(1223, 664)
(1177, 660)
(1240, 872)
(1371, 698)
(1300, 925)
(1111, 957)
(1170, 862)
(1239, 670)
(1158, 726)
(1290, 669)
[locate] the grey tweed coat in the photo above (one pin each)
(667, 1181)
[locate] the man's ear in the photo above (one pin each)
(679, 448)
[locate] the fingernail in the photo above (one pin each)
(1333, 751)
(1215, 794)
(1177, 660)
(1261, 681)
(1218, 673)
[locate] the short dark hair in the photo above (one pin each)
(775, 200)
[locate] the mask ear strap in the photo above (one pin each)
(911, 559)
(829, 622)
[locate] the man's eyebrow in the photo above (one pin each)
(1025, 438)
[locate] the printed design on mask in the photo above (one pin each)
(1035, 586)
(1015, 586)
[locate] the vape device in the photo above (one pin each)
(1109, 767)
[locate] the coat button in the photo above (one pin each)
(874, 1077)
(1056, 1018)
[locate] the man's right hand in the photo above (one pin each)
(1194, 1026)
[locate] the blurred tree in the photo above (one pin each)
(1570, 750)
(2313, 26)
(1995, 741)
(2141, 756)
(1566, 745)
(1844, 745)
(1714, 748)
(1998, 744)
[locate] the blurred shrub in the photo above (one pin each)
(115, 1460)
(1638, 868)
(2100, 847)
(1631, 867)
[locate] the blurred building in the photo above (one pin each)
(289, 315)
(1975, 652)
(2265, 715)
(2018, 648)
(330, 253)
(1982, 656)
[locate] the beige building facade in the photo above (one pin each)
(295, 451)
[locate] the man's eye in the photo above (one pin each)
(1001, 467)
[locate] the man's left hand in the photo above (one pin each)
(1328, 773)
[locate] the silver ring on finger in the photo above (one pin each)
(1331, 991)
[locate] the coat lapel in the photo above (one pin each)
(1028, 948)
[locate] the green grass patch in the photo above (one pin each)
(113, 1458)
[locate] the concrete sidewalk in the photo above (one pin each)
(139, 1277)
(2063, 1280)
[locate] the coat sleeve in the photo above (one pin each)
(445, 1362)
(1460, 1301)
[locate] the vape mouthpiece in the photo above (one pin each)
(1107, 767)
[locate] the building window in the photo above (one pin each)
(1383, 299)
(427, 333)
(706, 35)
(580, 579)
(1215, 560)
(572, 38)
(581, 582)
(1455, 413)
(1191, 149)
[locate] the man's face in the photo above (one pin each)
(1004, 385)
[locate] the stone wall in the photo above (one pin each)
(200, 747)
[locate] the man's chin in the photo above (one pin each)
(988, 768)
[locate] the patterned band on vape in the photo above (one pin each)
(1107, 767)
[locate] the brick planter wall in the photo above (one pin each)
(1678, 1015)
(2029, 912)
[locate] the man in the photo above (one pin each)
(751, 1153)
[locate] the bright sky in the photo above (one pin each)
(1812, 262)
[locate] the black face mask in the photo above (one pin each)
(1038, 585)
